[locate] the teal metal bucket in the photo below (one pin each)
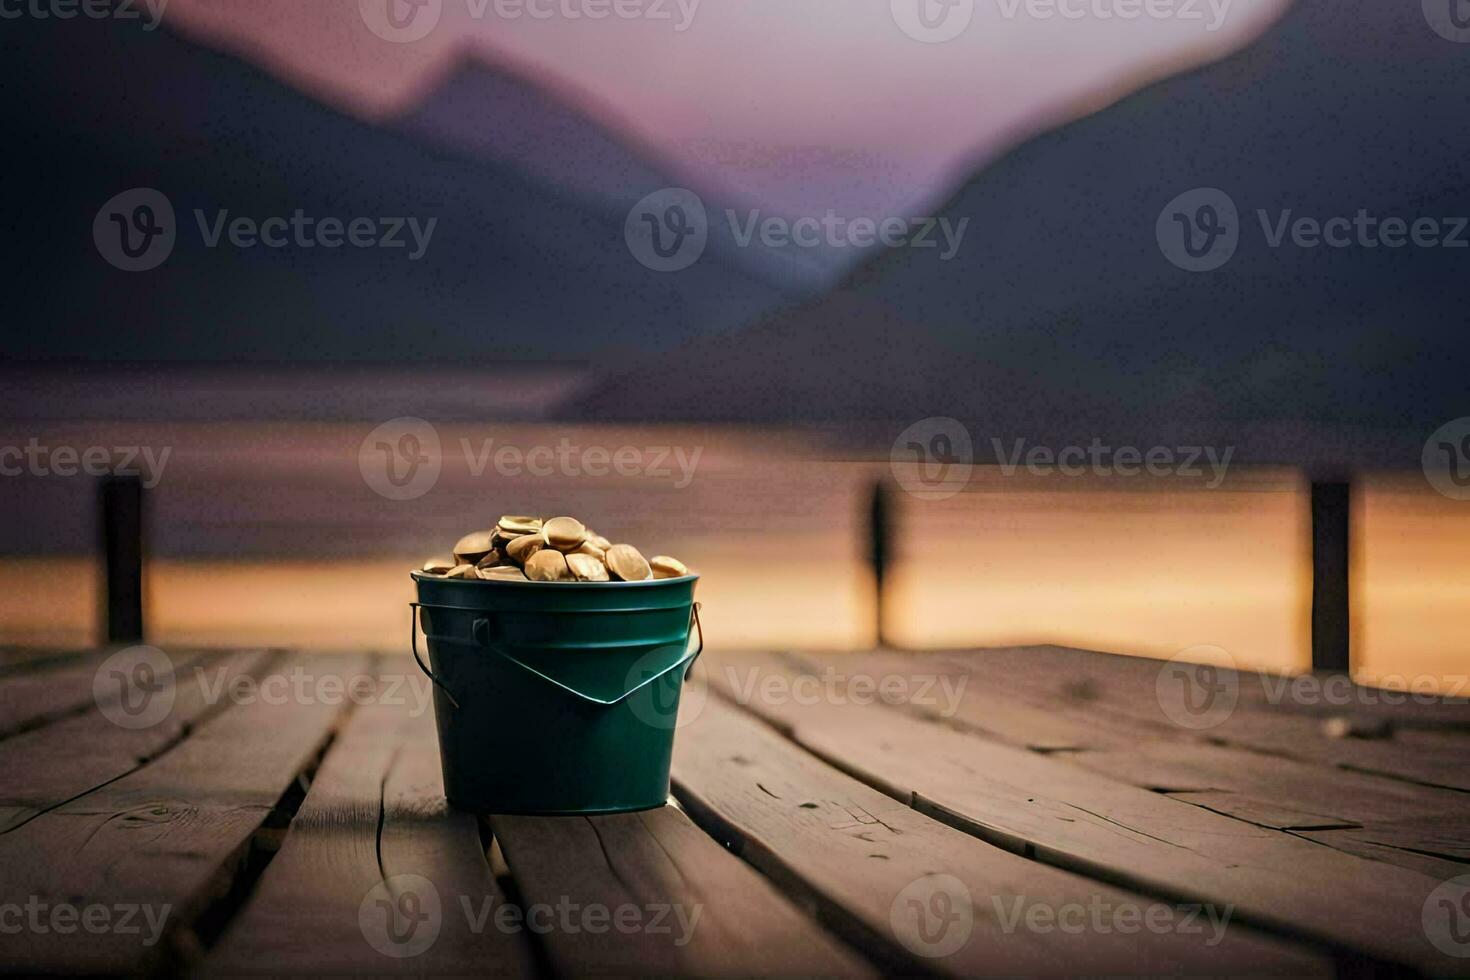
(556, 697)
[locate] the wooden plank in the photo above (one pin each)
(892, 880)
(374, 827)
(54, 690)
(163, 841)
(1115, 690)
(1363, 845)
(21, 659)
(43, 768)
(1269, 790)
(685, 906)
(1077, 819)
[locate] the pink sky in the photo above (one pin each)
(802, 105)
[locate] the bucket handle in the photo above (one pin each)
(413, 629)
(481, 631)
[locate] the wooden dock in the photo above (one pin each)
(1038, 811)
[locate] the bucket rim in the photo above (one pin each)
(418, 575)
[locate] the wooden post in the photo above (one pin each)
(122, 551)
(880, 551)
(1331, 506)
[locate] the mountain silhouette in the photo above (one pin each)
(516, 266)
(1061, 312)
(509, 118)
(494, 114)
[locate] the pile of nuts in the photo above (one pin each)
(561, 549)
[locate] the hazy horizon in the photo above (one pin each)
(886, 123)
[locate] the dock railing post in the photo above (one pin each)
(880, 523)
(1331, 515)
(121, 499)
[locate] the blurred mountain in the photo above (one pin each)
(516, 266)
(494, 114)
(1060, 314)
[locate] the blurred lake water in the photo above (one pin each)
(269, 533)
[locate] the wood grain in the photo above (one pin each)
(43, 768)
(861, 859)
(1268, 717)
(688, 907)
(1371, 811)
(374, 825)
(165, 839)
(1067, 816)
(54, 689)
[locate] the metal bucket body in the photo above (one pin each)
(556, 698)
